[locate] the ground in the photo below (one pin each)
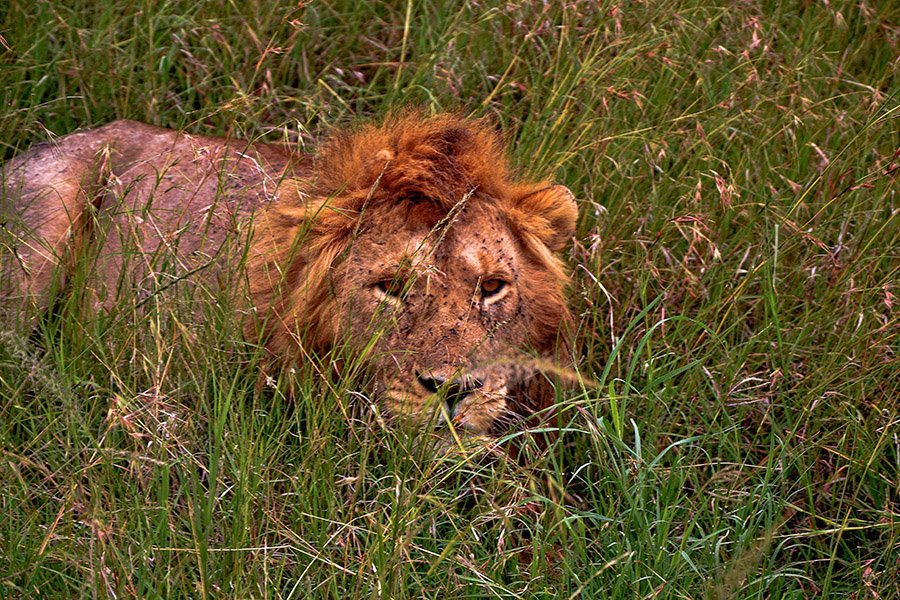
(735, 294)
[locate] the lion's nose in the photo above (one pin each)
(431, 381)
(455, 389)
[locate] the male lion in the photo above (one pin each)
(410, 243)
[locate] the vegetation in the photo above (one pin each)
(735, 283)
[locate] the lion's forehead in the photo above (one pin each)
(484, 252)
(474, 243)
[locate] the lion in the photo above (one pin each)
(411, 244)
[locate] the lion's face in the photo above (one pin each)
(415, 250)
(444, 300)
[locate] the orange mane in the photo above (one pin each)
(442, 158)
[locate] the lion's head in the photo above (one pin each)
(413, 244)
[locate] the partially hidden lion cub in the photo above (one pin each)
(410, 243)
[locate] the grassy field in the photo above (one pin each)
(735, 284)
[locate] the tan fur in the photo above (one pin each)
(425, 208)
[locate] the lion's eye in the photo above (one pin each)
(390, 287)
(492, 287)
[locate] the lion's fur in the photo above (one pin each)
(441, 180)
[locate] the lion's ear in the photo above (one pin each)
(549, 213)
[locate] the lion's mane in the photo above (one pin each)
(447, 159)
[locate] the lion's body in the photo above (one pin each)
(410, 244)
(125, 186)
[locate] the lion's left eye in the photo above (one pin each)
(391, 287)
(492, 287)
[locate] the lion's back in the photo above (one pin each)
(147, 206)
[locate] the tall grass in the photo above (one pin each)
(735, 283)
